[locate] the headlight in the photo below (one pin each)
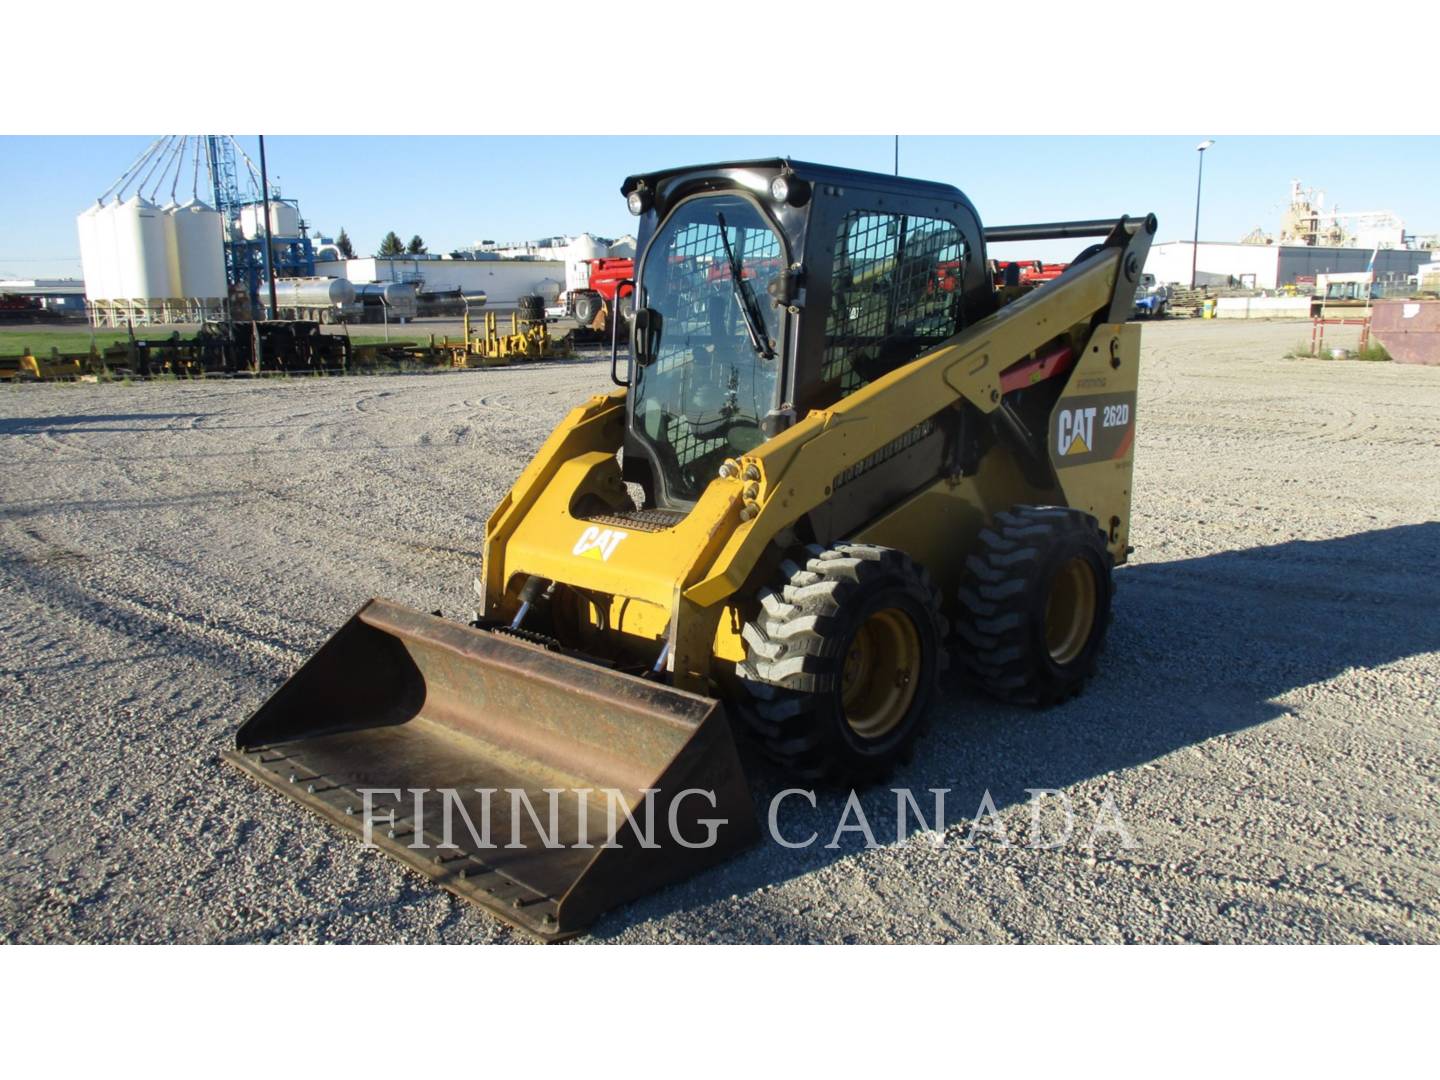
(638, 201)
(789, 189)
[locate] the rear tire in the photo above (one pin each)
(1035, 604)
(842, 662)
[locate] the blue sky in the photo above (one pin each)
(456, 190)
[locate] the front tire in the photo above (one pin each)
(842, 662)
(587, 306)
(1035, 604)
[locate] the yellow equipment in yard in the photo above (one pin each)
(30, 367)
(529, 338)
(834, 458)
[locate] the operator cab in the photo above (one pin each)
(765, 289)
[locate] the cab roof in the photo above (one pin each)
(805, 170)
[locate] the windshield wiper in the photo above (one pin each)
(754, 326)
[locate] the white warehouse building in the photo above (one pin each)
(1270, 266)
(503, 281)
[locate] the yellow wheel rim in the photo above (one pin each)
(881, 673)
(1070, 611)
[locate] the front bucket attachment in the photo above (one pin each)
(544, 788)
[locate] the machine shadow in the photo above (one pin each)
(1199, 648)
(85, 424)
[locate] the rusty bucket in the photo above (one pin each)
(543, 787)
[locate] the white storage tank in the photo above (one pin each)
(172, 248)
(91, 257)
(577, 253)
(140, 250)
(284, 220)
(102, 237)
(199, 238)
(112, 280)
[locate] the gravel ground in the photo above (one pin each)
(1264, 724)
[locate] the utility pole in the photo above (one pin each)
(1195, 245)
(265, 200)
(897, 155)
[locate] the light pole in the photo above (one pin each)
(1199, 175)
(269, 245)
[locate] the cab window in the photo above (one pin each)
(895, 292)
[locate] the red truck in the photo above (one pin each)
(592, 304)
(1031, 271)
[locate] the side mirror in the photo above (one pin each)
(645, 334)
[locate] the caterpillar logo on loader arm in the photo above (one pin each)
(856, 459)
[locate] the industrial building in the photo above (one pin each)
(501, 272)
(1272, 266)
(550, 247)
(1312, 239)
(501, 281)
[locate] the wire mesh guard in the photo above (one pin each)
(888, 303)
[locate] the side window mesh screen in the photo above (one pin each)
(895, 293)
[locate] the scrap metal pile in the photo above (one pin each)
(239, 348)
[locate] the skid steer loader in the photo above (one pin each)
(839, 452)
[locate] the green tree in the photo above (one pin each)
(416, 246)
(343, 243)
(391, 246)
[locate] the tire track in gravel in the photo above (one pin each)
(89, 604)
(1281, 779)
(334, 522)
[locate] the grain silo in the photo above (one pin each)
(172, 250)
(200, 240)
(578, 254)
(185, 261)
(96, 271)
(140, 251)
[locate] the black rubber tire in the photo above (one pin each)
(587, 306)
(796, 646)
(1000, 620)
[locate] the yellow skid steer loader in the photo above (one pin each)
(843, 447)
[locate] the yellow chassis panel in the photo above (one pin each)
(686, 575)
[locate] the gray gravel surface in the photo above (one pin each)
(1264, 724)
